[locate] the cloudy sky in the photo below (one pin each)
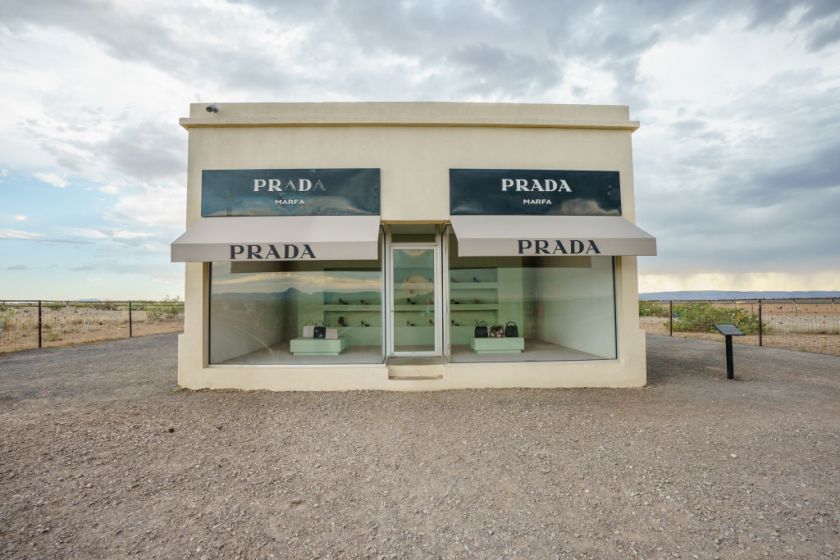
(737, 160)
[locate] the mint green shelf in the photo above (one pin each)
(512, 345)
(317, 346)
(418, 307)
(473, 306)
(473, 286)
(352, 307)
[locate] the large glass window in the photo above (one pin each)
(559, 308)
(266, 313)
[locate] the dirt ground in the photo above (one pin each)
(81, 323)
(808, 339)
(101, 456)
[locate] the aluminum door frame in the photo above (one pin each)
(434, 246)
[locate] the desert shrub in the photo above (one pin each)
(7, 315)
(168, 309)
(652, 309)
(702, 317)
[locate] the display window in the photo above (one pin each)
(296, 313)
(531, 308)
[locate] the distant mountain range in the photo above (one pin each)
(721, 294)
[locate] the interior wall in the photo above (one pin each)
(575, 306)
(241, 327)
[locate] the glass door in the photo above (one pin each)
(415, 312)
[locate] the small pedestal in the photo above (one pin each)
(317, 346)
(506, 345)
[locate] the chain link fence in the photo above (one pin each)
(43, 324)
(808, 325)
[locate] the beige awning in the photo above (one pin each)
(267, 238)
(491, 236)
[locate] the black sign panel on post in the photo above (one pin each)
(728, 331)
(540, 191)
(289, 192)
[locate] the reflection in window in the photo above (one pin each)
(267, 313)
(561, 308)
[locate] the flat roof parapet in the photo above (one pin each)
(526, 115)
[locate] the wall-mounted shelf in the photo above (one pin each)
(468, 286)
(352, 307)
(473, 306)
(418, 307)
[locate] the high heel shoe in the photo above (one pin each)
(341, 302)
(410, 302)
(342, 323)
(365, 323)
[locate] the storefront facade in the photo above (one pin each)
(410, 246)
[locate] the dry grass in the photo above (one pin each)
(70, 323)
(803, 326)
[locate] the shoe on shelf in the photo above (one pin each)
(341, 302)
(365, 323)
(410, 302)
(341, 322)
(475, 279)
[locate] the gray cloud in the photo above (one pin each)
(489, 69)
(146, 150)
(748, 184)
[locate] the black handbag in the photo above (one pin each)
(480, 329)
(320, 331)
(511, 329)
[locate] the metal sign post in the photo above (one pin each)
(729, 331)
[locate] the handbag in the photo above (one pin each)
(497, 331)
(308, 331)
(511, 329)
(480, 329)
(331, 334)
(320, 331)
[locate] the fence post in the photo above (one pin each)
(130, 324)
(760, 326)
(39, 324)
(670, 317)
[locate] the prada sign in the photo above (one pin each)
(271, 252)
(557, 247)
(540, 191)
(289, 192)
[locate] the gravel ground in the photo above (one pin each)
(101, 456)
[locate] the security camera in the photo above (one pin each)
(212, 108)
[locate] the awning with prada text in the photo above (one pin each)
(270, 238)
(490, 236)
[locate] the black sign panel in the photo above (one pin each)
(541, 191)
(729, 330)
(289, 192)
